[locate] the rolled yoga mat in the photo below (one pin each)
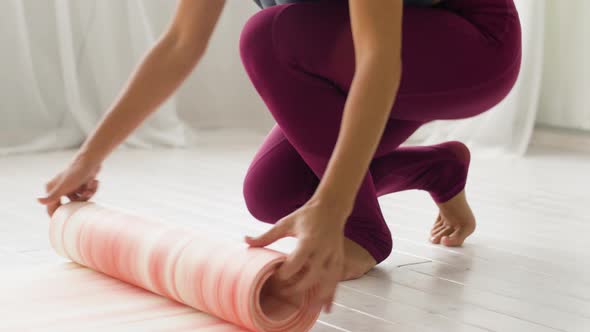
(224, 280)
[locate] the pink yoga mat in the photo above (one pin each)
(224, 280)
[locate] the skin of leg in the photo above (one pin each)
(441, 170)
(275, 47)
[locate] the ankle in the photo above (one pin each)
(457, 209)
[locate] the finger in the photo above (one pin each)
(332, 276)
(329, 305)
(52, 197)
(286, 285)
(64, 187)
(326, 293)
(81, 194)
(89, 190)
(315, 307)
(51, 184)
(279, 231)
(77, 197)
(58, 189)
(51, 207)
(73, 197)
(311, 278)
(86, 195)
(329, 302)
(294, 262)
(92, 185)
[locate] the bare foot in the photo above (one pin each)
(455, 221)
(357, 262)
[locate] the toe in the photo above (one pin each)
(444, 231)
(455, 239)
(435, 230)
(439, 221)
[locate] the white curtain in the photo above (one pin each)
(566, 74)
(552, 89)
(65, 61)
(507, 128)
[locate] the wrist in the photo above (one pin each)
(339, 206)
(88, 158)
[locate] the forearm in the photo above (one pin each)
(160, 73)
(366, 112)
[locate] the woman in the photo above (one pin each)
(330, 72)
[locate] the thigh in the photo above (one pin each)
(396, 132)
(459, 59)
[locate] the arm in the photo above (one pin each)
(160, 73)
(376, 28)
(319, 224)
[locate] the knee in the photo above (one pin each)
(262, 198)
(257, 203)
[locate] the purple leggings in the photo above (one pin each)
(459, 59)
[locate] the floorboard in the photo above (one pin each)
(525, 269)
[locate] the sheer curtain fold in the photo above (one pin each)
(64, 63)
(25, 104)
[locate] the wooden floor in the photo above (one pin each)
(526, 269)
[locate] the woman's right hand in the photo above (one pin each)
(77, 182)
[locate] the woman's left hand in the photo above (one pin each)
(318, 259)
